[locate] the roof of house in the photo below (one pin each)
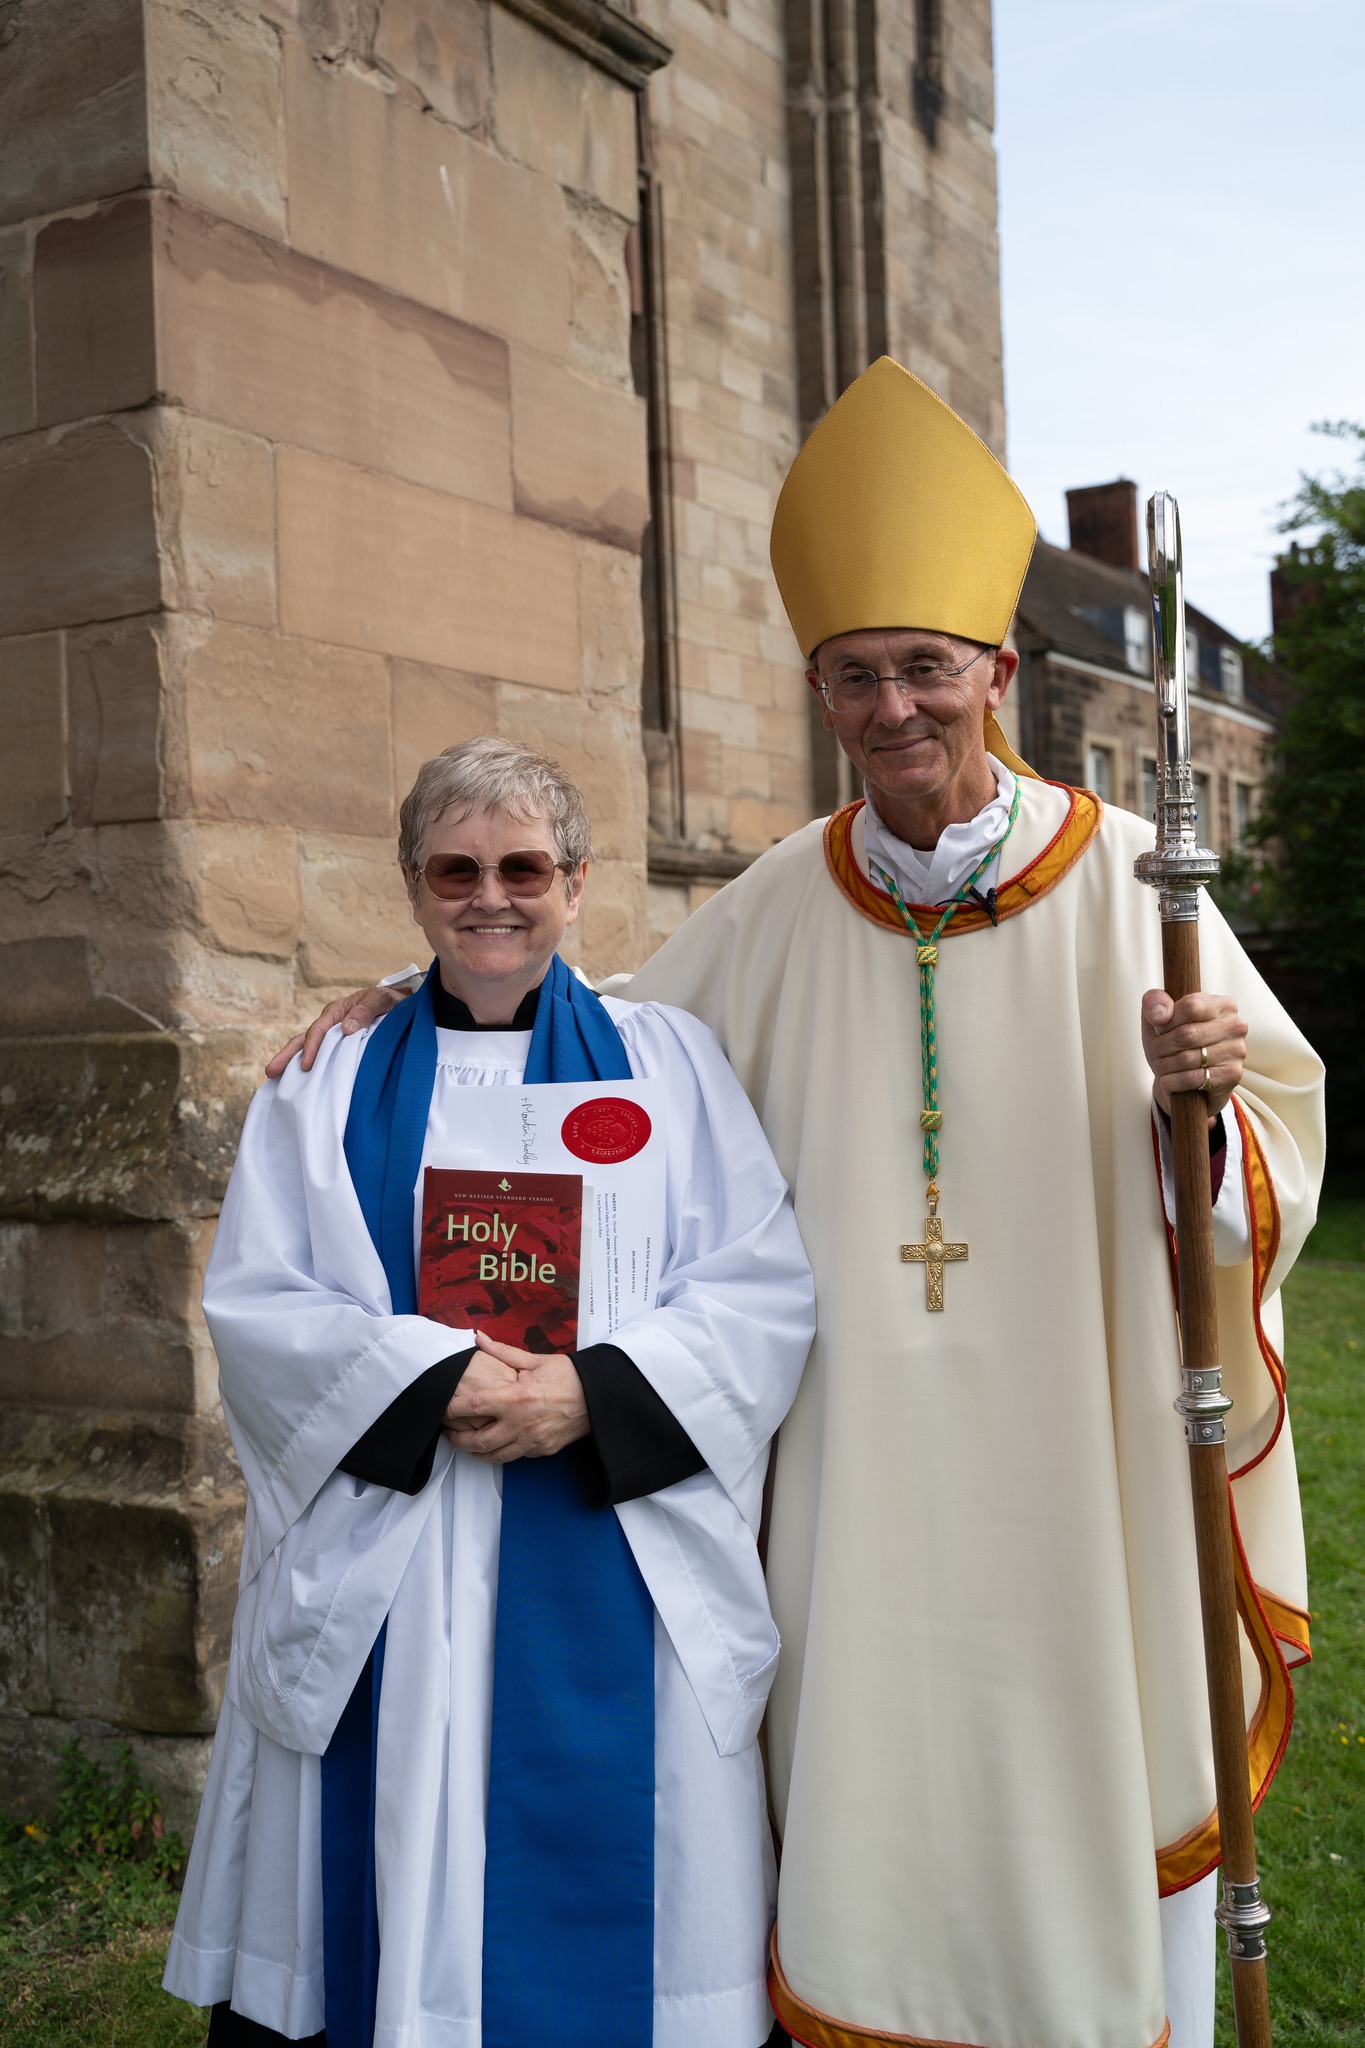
(1073, 604)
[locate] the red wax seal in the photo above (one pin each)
(606, 1130)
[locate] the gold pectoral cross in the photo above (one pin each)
(932, 1254)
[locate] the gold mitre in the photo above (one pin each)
(896, 514)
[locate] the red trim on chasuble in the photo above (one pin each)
(817, 2029)
(1056, 860)
(1267, 1620)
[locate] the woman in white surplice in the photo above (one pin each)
(374, 1447)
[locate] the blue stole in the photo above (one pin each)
(568, 1923)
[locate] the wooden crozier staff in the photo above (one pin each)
(1178, 868)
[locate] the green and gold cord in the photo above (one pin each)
(926, 958)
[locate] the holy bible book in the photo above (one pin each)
(503, 1252)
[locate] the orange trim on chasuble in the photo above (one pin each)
(818, 2030)
(1055, 861)
(1267, 1620)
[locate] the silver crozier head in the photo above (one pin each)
(1178, 866)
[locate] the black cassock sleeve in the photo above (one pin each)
(637, 1444)
(398, 1450)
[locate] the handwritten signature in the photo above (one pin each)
(529, 1130)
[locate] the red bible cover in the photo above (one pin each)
(502, 1252)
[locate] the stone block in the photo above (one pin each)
(253, 992)
(31, 1747)
(331, 27)
(611, 621)
(116, 888)
(702, 762)
(666, 909)
(599, 285)
(579, 453)
(93, 313)
(757, 824)
(286, 347)
(24, 1564)
(381, 189)
(245, 883)
(115, 683)
(215, 90)
(559, 114)
(603, 753)
(285, 732)
(612, 924)
(441, 47)
(77, 510)
(17, 408)
(73, 104)
(356, 921)
(216, 507)
(369, 561)
(93, 1313)
(33, 780)
(139, 1525)
(55, 980)
(121, 1129)
(434, 708)
(134, 1567)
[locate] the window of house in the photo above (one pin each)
(1148, 786)
(1102, 771)
(1206, 822)
(1243, 807)
(1233, 678)
(1210, 667)
(1192, 657)
(1135, 638)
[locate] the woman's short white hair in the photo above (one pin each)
(489, 774)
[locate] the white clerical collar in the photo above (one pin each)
(496, 1051)
(936, 877)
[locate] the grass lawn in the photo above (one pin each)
(62, 1986)
(108, 1999)
(1311, 1828)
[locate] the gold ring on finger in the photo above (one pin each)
(1204, 1057)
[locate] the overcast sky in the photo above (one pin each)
(1182, 215)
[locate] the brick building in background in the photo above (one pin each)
(374, 373)
(1086, 710)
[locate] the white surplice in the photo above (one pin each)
(311, 1356)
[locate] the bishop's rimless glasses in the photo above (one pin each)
(455, 876)
(855, 689)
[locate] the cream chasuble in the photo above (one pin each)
(988, 1737)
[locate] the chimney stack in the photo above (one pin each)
(1290, 587)
(1103, 523)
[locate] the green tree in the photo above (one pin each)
(1309, 838)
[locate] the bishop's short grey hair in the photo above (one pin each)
(489, 774)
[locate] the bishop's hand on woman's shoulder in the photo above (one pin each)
(352, 1013)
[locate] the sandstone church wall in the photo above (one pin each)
(320, 450)
(361, 363)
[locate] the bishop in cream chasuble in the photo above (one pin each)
(988, 1740)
